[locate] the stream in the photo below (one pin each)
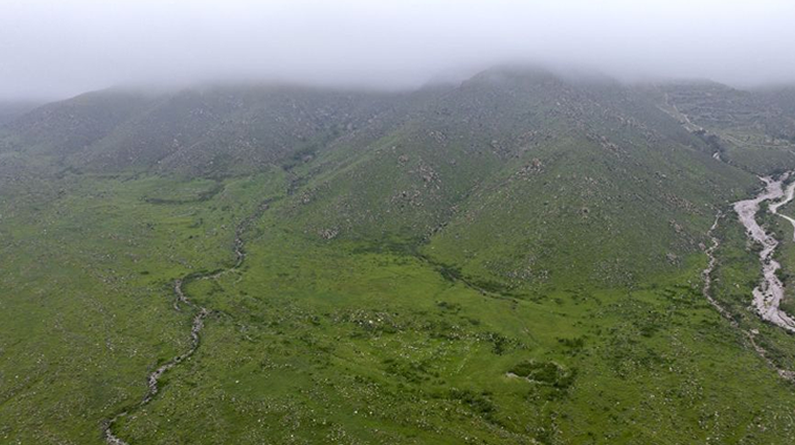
(196, 327)
(769, 293)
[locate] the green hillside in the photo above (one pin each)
(753, 130)
(513, 260)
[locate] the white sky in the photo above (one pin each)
(58, 48)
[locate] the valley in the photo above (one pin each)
(196, 326)
(520, 258)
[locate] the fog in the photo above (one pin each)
(62, 48)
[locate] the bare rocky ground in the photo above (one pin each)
(768, 295)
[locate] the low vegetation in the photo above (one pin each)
(513, 261)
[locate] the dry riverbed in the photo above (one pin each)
(769, 293)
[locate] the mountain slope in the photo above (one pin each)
(515, 259)
(540, 168)
(10, 110)
(754, 130)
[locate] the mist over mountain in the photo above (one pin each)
(397, 223)
(60, 49)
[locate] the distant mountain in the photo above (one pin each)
(193, 131)
(784, 99)
(754, 129)
(10, 110)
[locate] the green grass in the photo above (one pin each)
(316, 340)
(87, 307)
(498, 268)
(313, 340)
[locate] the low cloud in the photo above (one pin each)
(62, 49)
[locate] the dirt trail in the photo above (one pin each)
(770, 292)
(684, 119)
(789, 194)
(196, 327)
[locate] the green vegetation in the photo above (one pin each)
(515, 260)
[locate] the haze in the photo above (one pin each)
(59, 49)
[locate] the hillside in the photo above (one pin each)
(212, 131)
(753, 129)
(515, 259)
(522, 169)
(10, 110)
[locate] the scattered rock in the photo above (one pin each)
(328, 234)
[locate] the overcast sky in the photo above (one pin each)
(59, 48)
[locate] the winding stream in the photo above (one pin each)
(196, 327)
(707, 273)
(770, 292)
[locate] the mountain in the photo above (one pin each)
(495, 161)
(193, 131)
(513, 259)
(10, 110)
(753, 129)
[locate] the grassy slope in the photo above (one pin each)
(316, 341)
(560, 193)
(370, 336)
(755, 130)
(87, 307)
